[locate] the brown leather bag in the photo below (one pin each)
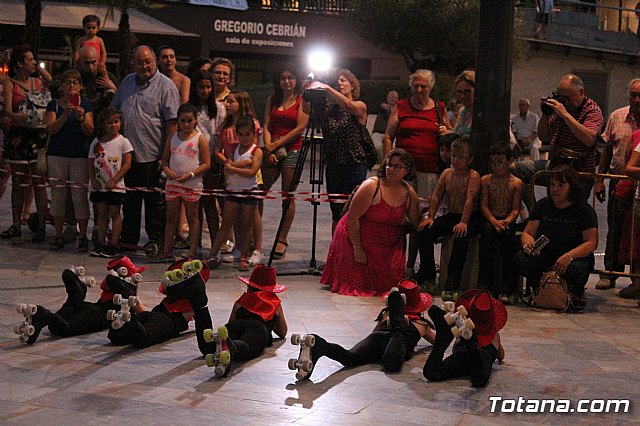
(552, 293)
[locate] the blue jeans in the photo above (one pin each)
(341, 179)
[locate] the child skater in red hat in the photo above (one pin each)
(392, 341)
(474, 356)
(255, 316)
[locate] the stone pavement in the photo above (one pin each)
(86, 380)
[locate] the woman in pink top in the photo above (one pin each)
(284, 121)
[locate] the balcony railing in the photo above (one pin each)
(585, 25)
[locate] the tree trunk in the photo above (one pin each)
(33, 12)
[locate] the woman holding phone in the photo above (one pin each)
(70, 123)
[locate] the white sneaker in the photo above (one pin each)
(227, 247)
(231, 257)
(256, 258)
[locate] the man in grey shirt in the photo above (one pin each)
(149, 104)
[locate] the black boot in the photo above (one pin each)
(395, 302)
(39, 321)
(119, 286)
(128, 334)
(192, 289)
(76, 289)
(444, 337)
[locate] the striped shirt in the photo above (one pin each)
(620, 127)
(590, 116)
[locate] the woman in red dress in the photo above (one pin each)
(366, 257)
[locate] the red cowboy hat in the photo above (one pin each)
(488, 314)
(416, 302)
(205, 272)
(263, 278)
(124, 261)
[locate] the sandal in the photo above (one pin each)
(12, 232)
(277, 255)
(244, 265)
(39, 236)
(57, 244)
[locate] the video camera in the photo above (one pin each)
(547, 109)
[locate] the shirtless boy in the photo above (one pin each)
(462, 187)
(501, 197)
(167, 62)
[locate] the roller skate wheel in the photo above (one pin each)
(166, 282)
(136, 278)
(89, 281)
(131, 301)
(126, 316)
(111, 315)
(449, 319)
(176, 275)
(218, 371)
(455, 331)
(295, 339)
(112, 272)
(310, 340)
(306, 365)
(29, 330)
(21, 307)
(31, 310)
(186, 267)
(209, 360)
(17, 329)
(116, 324)
(466, 334)
(117, 299)
(167, 275)
(225, 357)
(151, 249)
(23, 339)
(293, 363)
(78, 270)
(468, 323)
(462, 311)
(449, 306)
(223, 333)
(122, 271)
(300, 375)
(208, 336)
(196, 265)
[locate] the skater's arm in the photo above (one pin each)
(280, 324)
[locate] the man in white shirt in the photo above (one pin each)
(525, 129)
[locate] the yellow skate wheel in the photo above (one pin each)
(223, 333)
(225, 358)
(209, 360)
(208, 336)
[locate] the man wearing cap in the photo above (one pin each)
(393, 340)
(471, 357)
(76, 316)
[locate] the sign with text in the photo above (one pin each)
(256, 33)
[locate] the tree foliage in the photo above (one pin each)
(440, 35)
(32, 16)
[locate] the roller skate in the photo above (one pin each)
(186, 280)
(176, 275)
(123, 316)
(461, 326)
(80, 272)
(304, 364)
(395, 302)
(35, 319)
(220, 359)
(123, 273)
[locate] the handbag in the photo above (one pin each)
(552, 293)
(370, 153)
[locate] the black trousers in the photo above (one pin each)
(143, 175)
(615, 220)
(82, 318)
(443, 226)
(466, 360)
(249, 338)
(532, 267)
(496, 272)
(149, 328)
(391, 349)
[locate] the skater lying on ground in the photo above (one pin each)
(186, 299)
(76, 316)
(255, 316)
(478, 345)
(391, 342)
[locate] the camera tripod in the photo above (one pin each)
(312, 141)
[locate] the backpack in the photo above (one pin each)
(552, 293)
(34, 105)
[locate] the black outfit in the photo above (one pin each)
(146, 175)
(496, 272)
(616, 211)
(249, 335)
(466, 360)
(564, 229)
(76, 316)
(443, 226)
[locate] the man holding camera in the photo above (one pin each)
(570, 124)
